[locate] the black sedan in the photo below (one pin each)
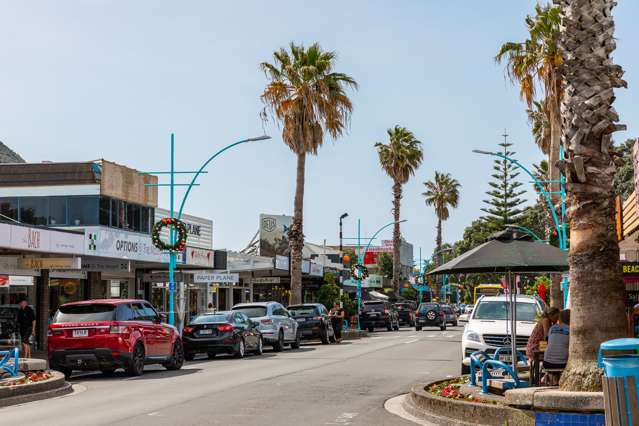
(313, 322)
(221, 332)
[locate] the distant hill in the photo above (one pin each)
(7, 155)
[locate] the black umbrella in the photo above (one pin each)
(508, 251)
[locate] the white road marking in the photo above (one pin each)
(431, 335)
(343, 419)
(411, 341)
(154, 413)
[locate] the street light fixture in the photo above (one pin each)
(342, 217)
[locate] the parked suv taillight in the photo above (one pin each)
(385, 310)
(119, 329)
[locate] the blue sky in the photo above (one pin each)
(111, 79)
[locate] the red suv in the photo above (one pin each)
(107, 334)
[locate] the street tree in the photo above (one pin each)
(504, 204)
(589, 119)
(399, 159)
(308, 98)
(535, 63)
(441, 193)
(624, 182)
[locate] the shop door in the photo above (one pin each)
(237, 296)
(222, 299)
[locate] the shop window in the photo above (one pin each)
(34, 210)
(83, 210)
(115, 223)
(133, 217)
(144, 220)
(9, 208)
(115, 289)
(57, 211)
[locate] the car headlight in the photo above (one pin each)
(472, 336)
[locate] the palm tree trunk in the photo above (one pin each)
(438, 239)
(553, 154)
(556, 297)
(397, 197)
(296, 234)
(596, 286)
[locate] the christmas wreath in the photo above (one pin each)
(363, 271)
(180, 240)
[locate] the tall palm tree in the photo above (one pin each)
(441, 193)
(309, 99)
(589, 119)
(536, 62)
(399, 159)
(540, 127)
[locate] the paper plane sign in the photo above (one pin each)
(216, 278)
(50, 263)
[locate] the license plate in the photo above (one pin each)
(80, 333)
(505, 358)
(205, 332)
(301, 319)
(373, 314)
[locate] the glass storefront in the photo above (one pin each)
(64, 290)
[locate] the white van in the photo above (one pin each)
(488, 326)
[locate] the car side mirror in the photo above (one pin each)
(162, 318)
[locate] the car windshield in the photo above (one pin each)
(252, 311)
(498, 310)
(85, 313)
(302, 311)
(428, 306)
(212, 318)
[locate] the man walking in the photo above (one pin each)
(26, 324)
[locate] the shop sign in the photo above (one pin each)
(206, 277)
(373, 281)
(265, 280)
(199, 230)
(20, 280)
(4, 281)
(282, 262)
(74, 274)
(40, 240)
(49, 263)
(198, 257)
(106, 242)
(317, 270)
(162, 277)
(306, 266)
(106, 265)
(630, 268)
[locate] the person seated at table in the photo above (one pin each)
(540, 332)
(556, 354)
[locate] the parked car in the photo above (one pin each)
(221, 332)
(378, 313)
(108, 334)
(488, 327)
(450, 315)
(430, 314)
(406, 313)
(313, 322)
(276, 325)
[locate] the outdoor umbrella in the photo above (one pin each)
(508, 251)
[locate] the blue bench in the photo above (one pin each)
(6, 357)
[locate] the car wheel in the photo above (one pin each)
(465, 369)
(297, 342)
(418, 328)
(260, 347)
(189, 356)
(279, 345)
(324, 337)
(136, 366)
(211, 355)
(371, 329)
(177, 357)
(241, 348)
(455, 324)
(332, 339)
(66, 371)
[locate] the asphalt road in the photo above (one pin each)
(344, 384)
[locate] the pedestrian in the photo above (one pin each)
(26, 325)
(556, 355)
(540, 332)
(337, 320)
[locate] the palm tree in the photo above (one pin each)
(536, 62)
(442, 193)
(589, 119)
(540, 127)
(309, 99)
(399, 159)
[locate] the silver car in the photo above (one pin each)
(277, 326)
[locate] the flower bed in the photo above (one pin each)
(451, 389)
(30, 377)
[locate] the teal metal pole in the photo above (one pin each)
(359, 278)
(172, 238)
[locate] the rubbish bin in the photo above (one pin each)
(621, 373)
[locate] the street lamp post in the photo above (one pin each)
(342, 217)
(559, 226)
(172, 185)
